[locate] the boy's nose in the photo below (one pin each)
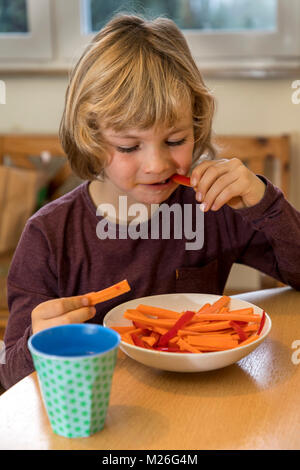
(156, 162)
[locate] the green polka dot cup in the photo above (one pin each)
(75, 365)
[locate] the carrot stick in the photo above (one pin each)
(204, 307)
(122, 329)
(227, 316)
(108, 293)
(218, 304)
(159, 330)
(157, 311)
(150, 340)
(249, 340)
(218, 341)
(184, 346)
(212, 326)
(132, 314)
(180, 179)
(127, 338)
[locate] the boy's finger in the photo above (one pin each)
(56, 307)
(198, 172)
(80, 315)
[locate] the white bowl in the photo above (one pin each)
(187, 362)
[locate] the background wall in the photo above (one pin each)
(34, 104)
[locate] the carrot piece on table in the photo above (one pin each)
(180, 179)
(108, 293)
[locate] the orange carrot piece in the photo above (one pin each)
(227, 316)
(108, 293)
(174, 339)
(249, 340)
(204, 307)
(122, 329)
(132, 314)
(184, 346)
(217, 341)
(150, 340)
(127, 338)
(157, 311)
(159, 330)
(216, 306)
(212, 326)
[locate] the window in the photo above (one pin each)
(226, 37)
(228, 15)
(13, 16)
(25, 30)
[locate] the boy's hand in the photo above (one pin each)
(61, 311)
(226, 181)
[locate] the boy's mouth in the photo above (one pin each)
(161, 183)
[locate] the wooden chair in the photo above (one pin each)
(20, 148)
(268, 156)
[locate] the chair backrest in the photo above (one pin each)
(266, 155)
(20, 147)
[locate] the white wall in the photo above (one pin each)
(35, 104)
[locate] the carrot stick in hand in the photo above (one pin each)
(108, 293)
(180, 179)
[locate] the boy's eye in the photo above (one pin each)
(132, 149)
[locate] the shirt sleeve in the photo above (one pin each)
(273, 243)
(31, 281)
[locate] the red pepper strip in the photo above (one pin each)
(262, 322)
(183, 320)
(184, 180)
(239, 330)
(137, 341)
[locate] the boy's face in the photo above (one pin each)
(141, 160)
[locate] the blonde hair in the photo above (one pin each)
(135, 73)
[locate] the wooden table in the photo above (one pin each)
(253, 404)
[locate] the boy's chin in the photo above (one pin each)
(157, 198)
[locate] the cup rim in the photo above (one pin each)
(34, 350)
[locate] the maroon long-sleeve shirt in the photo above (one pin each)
(60, 254)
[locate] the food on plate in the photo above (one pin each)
(214, 327)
